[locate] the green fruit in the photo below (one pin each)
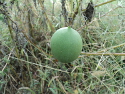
(66, 44)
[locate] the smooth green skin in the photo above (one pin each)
(66, 44)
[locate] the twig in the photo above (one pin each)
(11, 33)
(34, 44)
(86, 25)
(8, 59)
(76, 10)
(111, 11)
(35, 64)
(102, 4)
(104, 50)
(61, 86)
(64, 11)
(106, 54)
(49, 22)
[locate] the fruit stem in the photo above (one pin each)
(69, 26)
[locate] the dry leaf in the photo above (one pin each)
(98, 73)
(76, 91)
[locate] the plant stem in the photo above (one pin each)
(49, 22)
(106, 54)
(102, 4)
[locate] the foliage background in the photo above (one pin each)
(26, 63)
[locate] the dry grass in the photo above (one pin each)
(26, 63)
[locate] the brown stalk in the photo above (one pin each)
(102, 4)
(105, 54)
(123, 44)
(61, 86)
(49, 22)
(11, 33)
(33, 8)
(34, 44)
(76, 10)
(64, 11)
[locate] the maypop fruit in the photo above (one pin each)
(66, 44)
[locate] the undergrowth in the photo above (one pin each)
(26, 63)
